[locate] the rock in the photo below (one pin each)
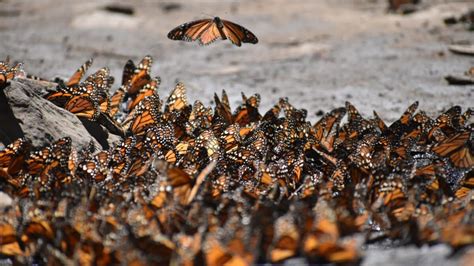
(24, 112)
(410, 255)
(464, 49)
(5, 201)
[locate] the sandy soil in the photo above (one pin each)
(318, 53)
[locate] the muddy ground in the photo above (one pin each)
(318, 53)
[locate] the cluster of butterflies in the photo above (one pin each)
(8, 72)
(192, 184)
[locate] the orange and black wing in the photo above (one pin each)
(458, 148)
(128, 71)
(190, 31)
(177, 100)
(147, 90)
(147, 114)
(238, 34)
(115, 101)
(77, 76)
(141, 76)
(210, 35)
(83, 106)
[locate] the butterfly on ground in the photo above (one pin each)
(209, 30)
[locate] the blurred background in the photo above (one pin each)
(318, 53)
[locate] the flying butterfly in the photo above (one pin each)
(209, 30)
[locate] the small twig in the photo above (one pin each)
(459, 80)
(199, 181)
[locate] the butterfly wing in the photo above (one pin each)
(147, 90)
(207, 31)
(83, 107)
(128, 71)
(458, 148)
(177, 100)
(210, 35)
(190, 31)
(77, 76)
(115, 101)
(141, 76)
(238, 34)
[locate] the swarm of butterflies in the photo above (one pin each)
(191, 184)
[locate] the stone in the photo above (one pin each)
(25, 113)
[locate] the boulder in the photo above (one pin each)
(24, 112)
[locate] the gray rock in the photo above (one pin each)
(5, 200)
(24, 112)
(411, 255)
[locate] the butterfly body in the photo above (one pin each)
(220, 27)
(206, 31)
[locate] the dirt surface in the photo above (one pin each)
(318, 53)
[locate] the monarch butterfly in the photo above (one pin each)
(135, 77)
(272, 114)
(12, 160)
(147, 114)
(37, 228)
(208, 141)
(51, 160)
(64, 93)
(379, 123)
(177, 100)
(467, 186)
(77, 76)
(237, 248)
(459, 148)
(231, 138)
(7, 72)
(199, 118)
(147, 90)
(248, 111)
(322, 242)
(85, 99)
(355, 127)
(209, 30)
(83, 106)
(9, 245)
(161, 136)
(222, 110)
(325, 129)
(115, 102)
(95, 168)
(119, 157)
(447, 124)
